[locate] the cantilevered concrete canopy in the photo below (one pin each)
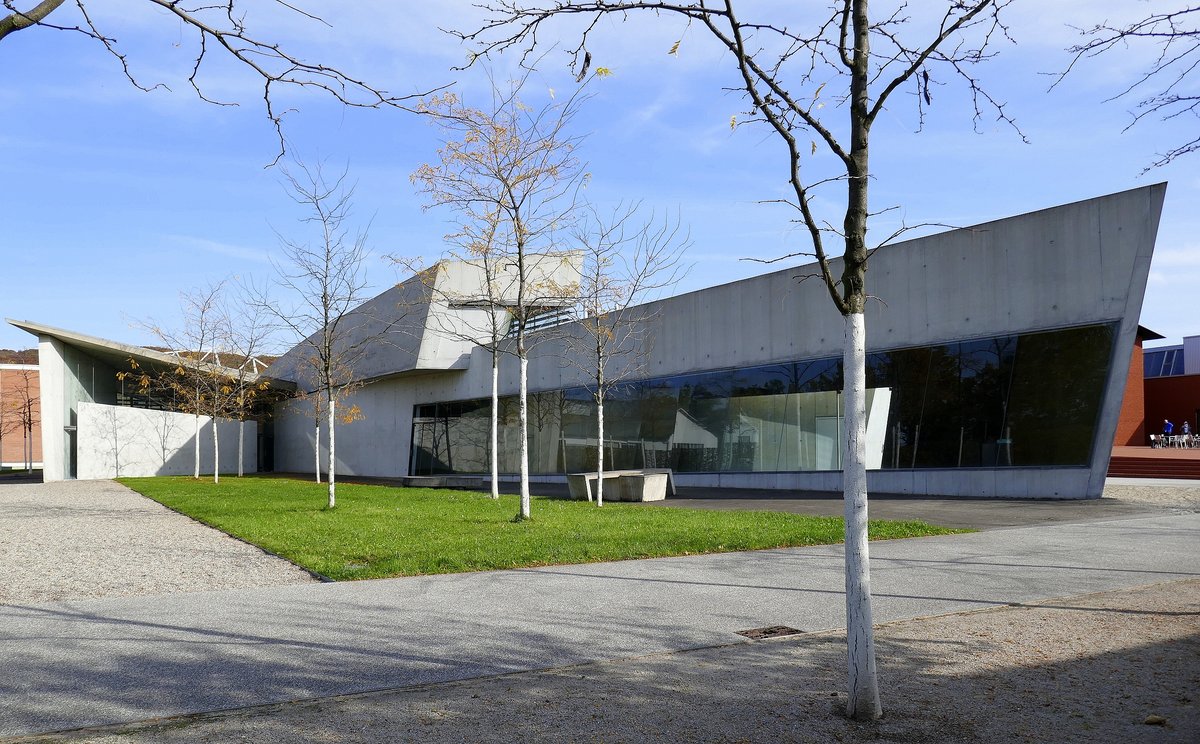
(433, 321)
(112, 352)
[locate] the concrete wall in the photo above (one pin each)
(1191, 355)
(55, 412)
(1077, 264)
(378, 444)
(116, 441)
(69, 377)
(1176, 398)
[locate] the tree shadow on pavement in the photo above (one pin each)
(1079, 670)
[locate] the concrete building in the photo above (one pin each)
(97, 425)
(998, 360)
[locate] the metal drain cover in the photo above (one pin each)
(773, 631)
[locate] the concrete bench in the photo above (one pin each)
(650, 484)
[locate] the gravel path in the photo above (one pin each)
(1179, 497)
(85, 539)
(1115, 666)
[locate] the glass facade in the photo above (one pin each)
(1023, 400)
(1163, 362)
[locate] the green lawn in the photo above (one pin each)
(377, 531)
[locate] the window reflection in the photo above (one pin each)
(1025, 400)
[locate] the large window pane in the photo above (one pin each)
(765, 434)
(939, 427)
(579, 431)
(1058, 382)
(545, 432)
(907, 371)
(658, 409)
(702, 427)
(986, 370)
(1007, 400)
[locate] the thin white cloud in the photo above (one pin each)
(1175, 258)
(257, 255)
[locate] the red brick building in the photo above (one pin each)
(20, 416)
(1174, 398)
(1131, 427)
(1163, 384)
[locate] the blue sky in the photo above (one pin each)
(117, 200)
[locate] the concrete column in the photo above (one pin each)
(56, 442)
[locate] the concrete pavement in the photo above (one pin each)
(98, 662)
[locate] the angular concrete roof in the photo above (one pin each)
(116, 353)
(430, 322)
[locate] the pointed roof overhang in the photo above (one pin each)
(119, 354)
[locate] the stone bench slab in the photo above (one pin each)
(623, 485)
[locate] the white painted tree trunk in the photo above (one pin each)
(216, 453)
(495, 426)
(600, 449)
(317, 447)
(523, 420)
(331, 476)
(196, 453)
(863, 702)
(241, 447)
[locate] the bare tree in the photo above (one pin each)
(480, 317)
(19, 409)
(223, 27)
(327, 281)
(473, 242)
(625, 262)
(197, 382)
(1166, 89)
(510, 173)
(250, 332)
(27, 408)
(789, 69)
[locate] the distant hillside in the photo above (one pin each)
(226, 360)
(24, 356)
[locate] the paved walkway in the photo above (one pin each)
(94, 662)
(1115, 666)
(76, 539)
